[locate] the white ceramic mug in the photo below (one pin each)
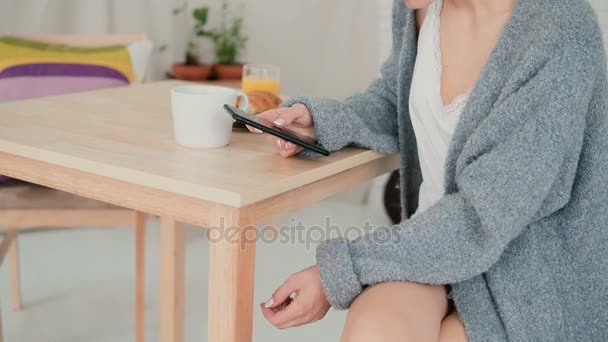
(199, 119)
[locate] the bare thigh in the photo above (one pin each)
(397, 311)
(452, 329)
(403, 311)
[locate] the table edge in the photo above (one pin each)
(169, 185)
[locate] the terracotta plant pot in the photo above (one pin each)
(229, 71)
(191, 72)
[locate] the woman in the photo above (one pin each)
(499, 111)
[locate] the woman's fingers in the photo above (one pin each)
(285, 148)
(297, 117)
(289, 149)
(295, 323)
(300, 300)
(283, 293)
(253, 129)
(267, 118)
(281, 309)
(292, 313)
(281, 117)
(270, 312)
(286, 117)
(284, 319)
(298, 114)
(288, 314)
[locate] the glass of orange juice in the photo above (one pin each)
(262, 77)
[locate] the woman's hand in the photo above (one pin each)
(297, 117)
(300, 300)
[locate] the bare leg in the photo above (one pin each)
(394, 311)
(452, 329)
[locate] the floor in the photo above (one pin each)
(78, 283)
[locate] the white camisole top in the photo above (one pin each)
(433, 122)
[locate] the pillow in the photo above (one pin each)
(140, 52)
(30, 69)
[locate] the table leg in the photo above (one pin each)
(140, 276)
(172, 285)
(231, 277)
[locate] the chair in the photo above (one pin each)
(9, 238)
(26, 206)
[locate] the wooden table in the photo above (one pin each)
(117, 146)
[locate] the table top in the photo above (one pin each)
(126, 134)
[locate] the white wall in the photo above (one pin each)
(93, 17)
(601, 6)
(324, 47)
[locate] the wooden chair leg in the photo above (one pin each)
(140, 279)
(9, 239)
(15, 274)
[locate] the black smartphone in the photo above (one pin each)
(283, 133)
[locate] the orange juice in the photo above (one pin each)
(269, 85)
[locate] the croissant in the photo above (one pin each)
(261, 101)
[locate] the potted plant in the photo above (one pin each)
(192, 69)
(230, 41)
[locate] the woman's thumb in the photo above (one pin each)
(282, 293)
(285, 116)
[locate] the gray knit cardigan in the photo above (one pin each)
(522, 231)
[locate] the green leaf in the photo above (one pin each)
(228, 38)
(201, 14)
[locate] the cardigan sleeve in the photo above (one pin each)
(500, 191)
(367, 119)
